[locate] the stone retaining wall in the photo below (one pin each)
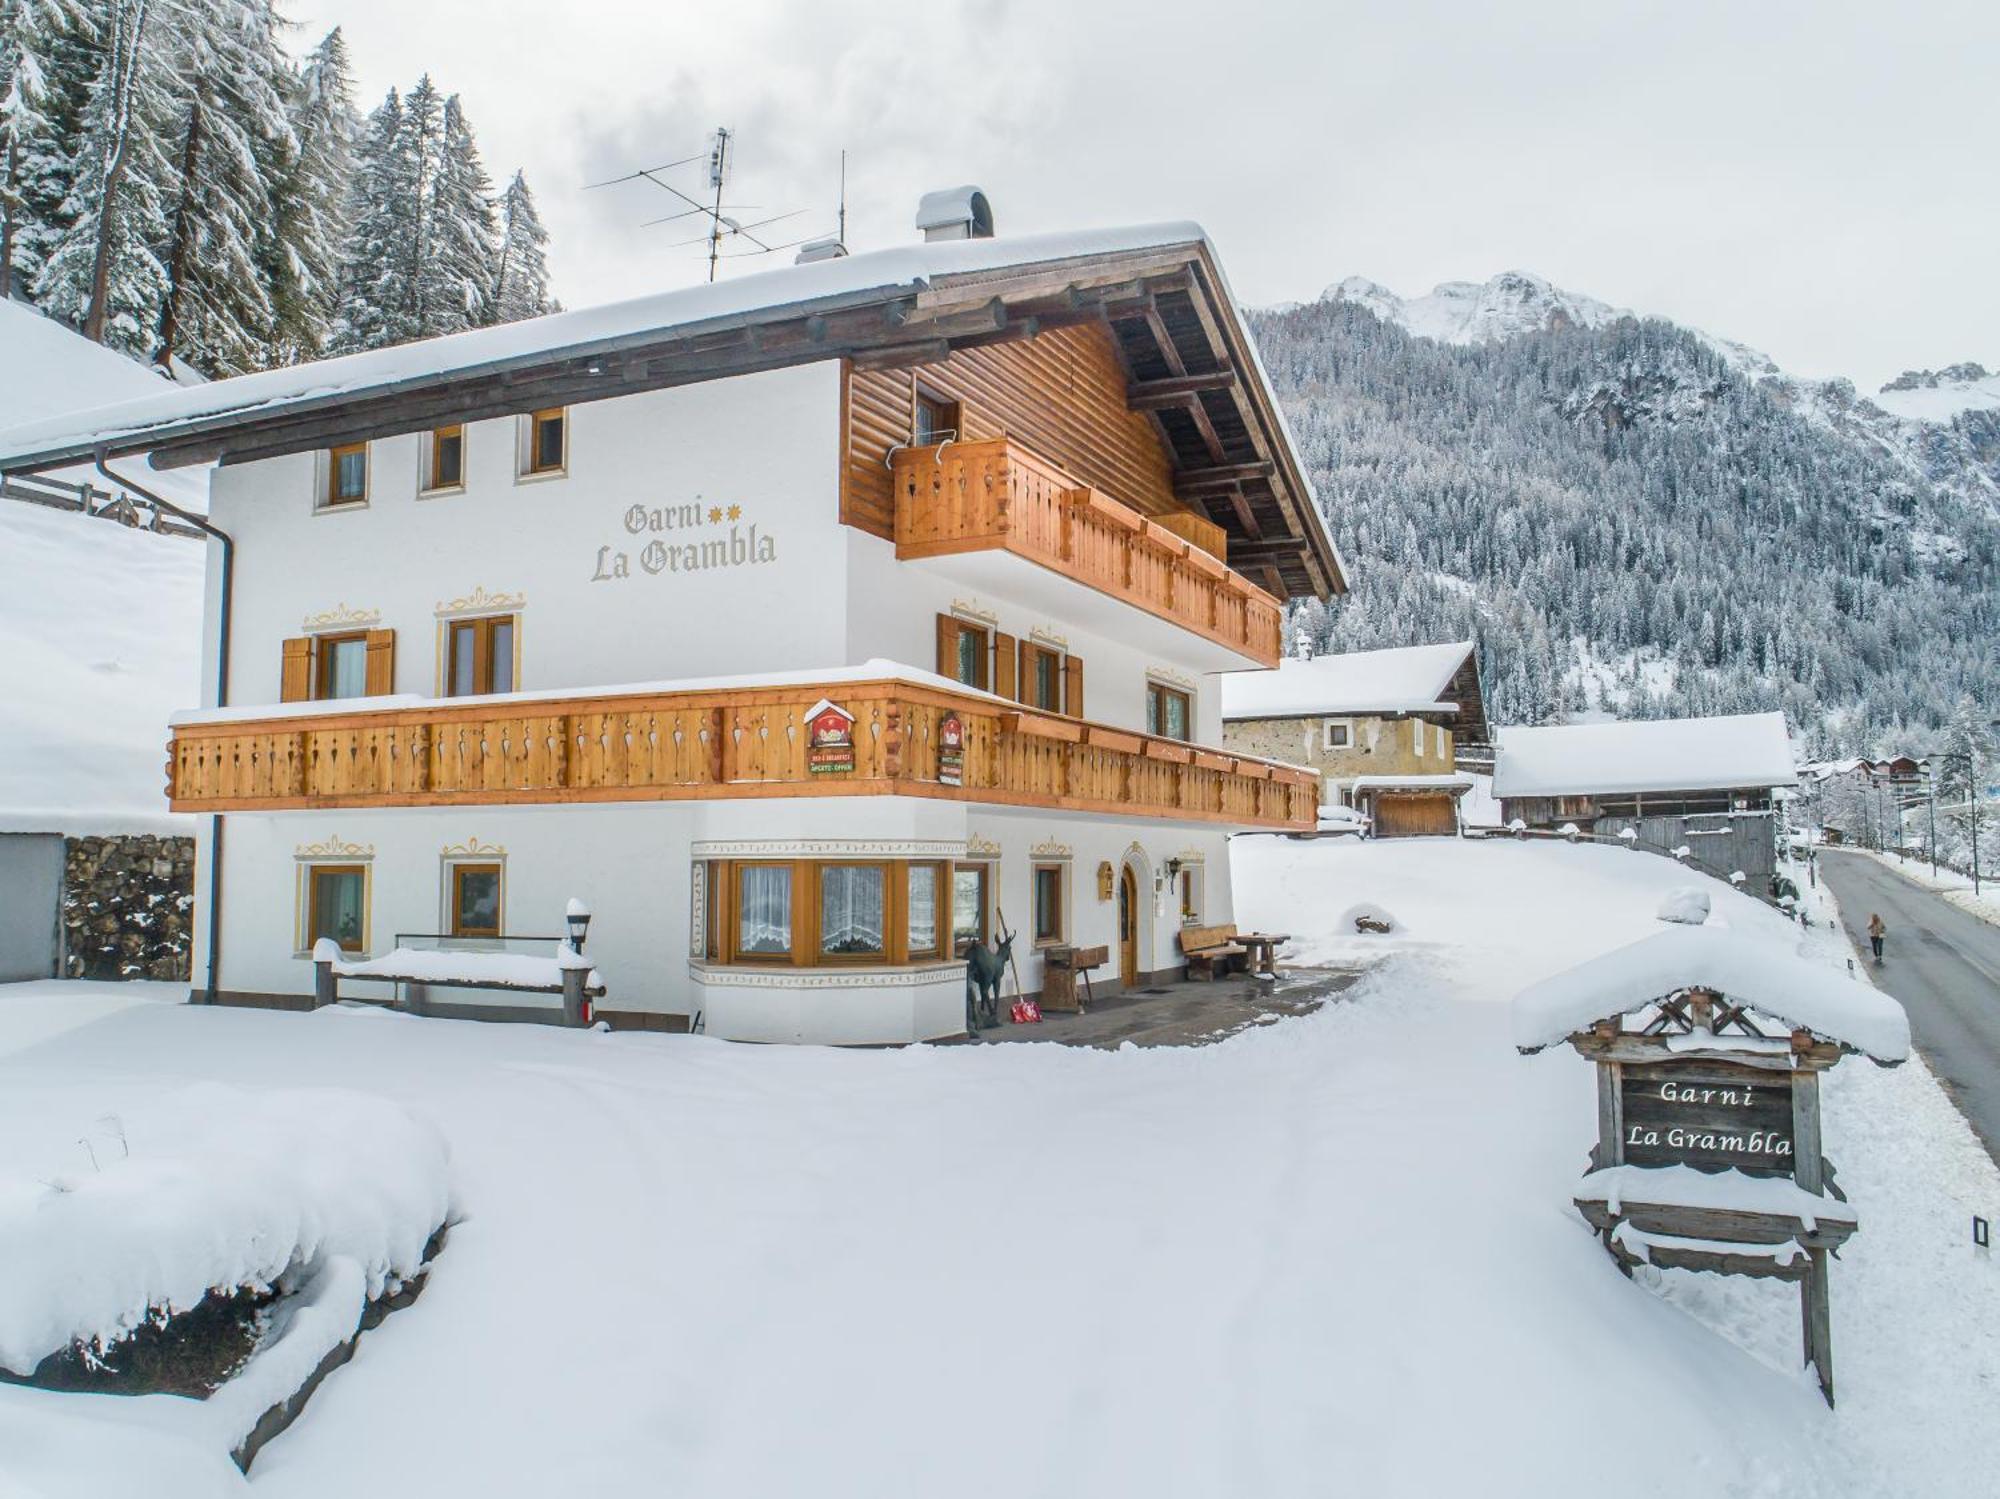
(127, 904)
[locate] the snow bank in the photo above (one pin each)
(1687, 906)
(209, 1187)
(1748, 970)
(502, 970)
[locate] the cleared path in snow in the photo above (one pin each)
(1944, 965)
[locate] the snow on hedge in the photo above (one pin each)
(215, 1187)
(1748, 970)
(426, 965)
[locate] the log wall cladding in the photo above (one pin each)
(1709, 1115)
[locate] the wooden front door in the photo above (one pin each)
(1128, 928)
(1427, 816)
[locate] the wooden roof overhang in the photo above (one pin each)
(1188, 360)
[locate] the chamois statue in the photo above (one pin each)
(983, 967)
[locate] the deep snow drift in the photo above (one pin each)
(1335, 1254)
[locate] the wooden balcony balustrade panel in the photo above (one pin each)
(997, 495)
(718, 744)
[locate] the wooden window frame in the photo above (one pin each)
(482, 626)
(1190, 894)
(433, 461)
(892, 907)
(1060, 869)
(923, 395)
(725, 910)
(1157, 694)
(985, 869)
(953, 630)
(941, 912)
(531, 465)
(330, 497)
(1033, 654)
(310, 872)
(455, 872)
(322, 662)
(732, 925)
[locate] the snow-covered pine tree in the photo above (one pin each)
(103, 274)
(375, 293)
(31, 33)
(455, 279)
(521, 281)
(230, 129)
(303, 256)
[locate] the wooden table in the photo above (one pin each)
(1263, 950)
(1060, 966)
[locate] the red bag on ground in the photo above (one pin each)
(1026, 1012)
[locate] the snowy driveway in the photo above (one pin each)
(1331, 1255)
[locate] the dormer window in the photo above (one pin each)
(937, 419)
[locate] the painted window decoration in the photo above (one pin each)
(1167, 712)
(337, 905)
(447, 458)
(347, 475)
(764, 911)
(1338, 735)
(1049, 905)
(481, 656)
(342, 667)
(548, 441)
(475, 900)
(970, 887)
(853, 910)
(923, 911)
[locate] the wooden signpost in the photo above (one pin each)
(1708, 1149)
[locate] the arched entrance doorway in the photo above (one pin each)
(1128, 927)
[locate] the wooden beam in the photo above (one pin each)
(1223, 475)
(1179, 390)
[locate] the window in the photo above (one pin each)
(1041, 677)
(970, 884)
(475, 900)
(936, 419)
(548, 441)
(1417, 728)
(763, 910)
(347, 475)
(1190, 895)
(341, 669)
(1167, 712)
(853, 911)
(1338, 735)
(1050, 922)
(480, 656)
(337, 905)
(963, 651)
(447, 465)
(924, 930)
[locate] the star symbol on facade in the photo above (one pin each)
(714, 514)
(736, 512)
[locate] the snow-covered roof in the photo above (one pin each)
(823, 285)
(1666, 754)
(1456, 780)
(1753, 971)
(1405, 679)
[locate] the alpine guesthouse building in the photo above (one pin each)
(808, 627)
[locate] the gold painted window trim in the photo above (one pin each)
(344, 857)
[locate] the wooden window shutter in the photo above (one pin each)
(1006, 658)
(1073, 686)
(381, 663)
(295, 676)
(947, 647)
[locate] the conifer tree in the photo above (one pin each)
(313, 182)
(455, 277)
(521, 281)
(30, 33)
(374, 288)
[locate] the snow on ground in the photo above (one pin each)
(1955, 888)
(1338, 1250)
(100, 641)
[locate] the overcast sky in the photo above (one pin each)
(1818, 180)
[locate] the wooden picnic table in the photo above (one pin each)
(1263, 950)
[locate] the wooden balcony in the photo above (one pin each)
(722, 743)
(996, 495)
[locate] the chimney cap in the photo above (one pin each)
(955, 213)
(826, 247)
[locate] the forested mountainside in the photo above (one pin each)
(175, 184)
(1633, 517)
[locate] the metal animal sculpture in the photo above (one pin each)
(983, 967)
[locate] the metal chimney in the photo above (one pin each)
(955, 213)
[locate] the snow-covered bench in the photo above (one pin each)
(568, 973)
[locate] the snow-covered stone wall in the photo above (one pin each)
(127, 903)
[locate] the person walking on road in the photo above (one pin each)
(1876, 932)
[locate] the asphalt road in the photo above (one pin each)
(1944, 965)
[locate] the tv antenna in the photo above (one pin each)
(722, 225)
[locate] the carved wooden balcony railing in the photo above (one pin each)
(669, 745)
(996, 495)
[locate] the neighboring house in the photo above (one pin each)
(1705, 784)
(1382, 728)
(1864, 801)
(809, 626)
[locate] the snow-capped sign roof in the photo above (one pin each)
(1746, 970)
(1404, 679)
(1666, 754)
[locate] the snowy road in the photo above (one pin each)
(1944, 965)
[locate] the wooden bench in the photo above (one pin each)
(1210, 950)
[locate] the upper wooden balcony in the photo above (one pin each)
(675, 745)
(995, 495)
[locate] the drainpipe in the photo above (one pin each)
(202, 524)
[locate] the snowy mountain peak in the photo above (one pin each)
(1473, 312)
(1938, 395)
